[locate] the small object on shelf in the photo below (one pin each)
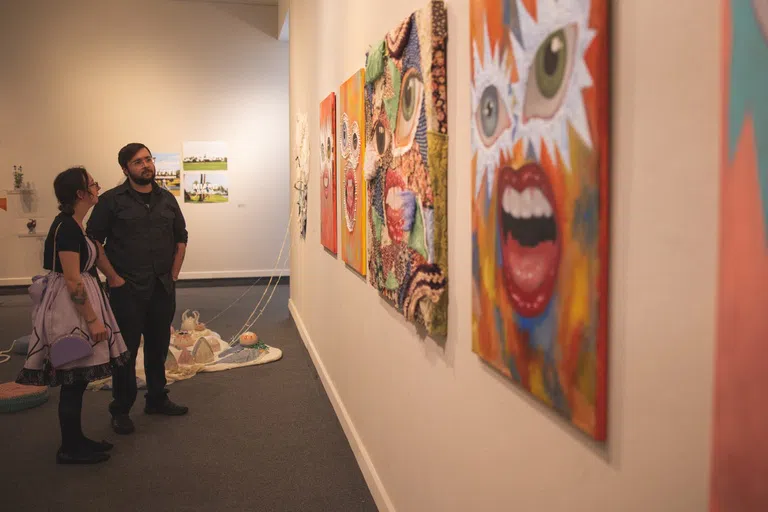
(31, 225)
(18, 177)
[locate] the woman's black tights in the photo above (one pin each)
(70, 409)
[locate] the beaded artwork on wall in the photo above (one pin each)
(328, 173)
(353, 192)
(539, 122)
(301, 183)
(406, 167)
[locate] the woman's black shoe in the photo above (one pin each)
(81, 457)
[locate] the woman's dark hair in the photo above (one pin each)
(66, 186)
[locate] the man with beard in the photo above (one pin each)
(146, 239)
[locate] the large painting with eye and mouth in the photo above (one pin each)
(739, 451)
(353, 192)
(406, 167)
(328, 173)
(540, 199)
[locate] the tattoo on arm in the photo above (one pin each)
(79, 295)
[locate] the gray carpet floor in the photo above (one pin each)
(263, 438)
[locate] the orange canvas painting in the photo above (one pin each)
(328, 173)
(740, 424)
(353, 191)
(539, 124)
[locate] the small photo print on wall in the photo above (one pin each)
(168, 172)
(205, 156)
(206, 187)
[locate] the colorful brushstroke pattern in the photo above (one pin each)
(353, 192)
(539, 126)
(740, 452)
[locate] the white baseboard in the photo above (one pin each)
(361, 454)
(228, 274)
(15, 281)
(215, 274)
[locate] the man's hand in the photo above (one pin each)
(116, 281)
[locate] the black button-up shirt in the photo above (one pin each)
(140, 238)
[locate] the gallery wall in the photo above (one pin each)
(433, 427)
(82, 78)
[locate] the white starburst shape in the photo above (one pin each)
(552, 129)
(490, 72)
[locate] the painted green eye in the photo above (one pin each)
(550, 64)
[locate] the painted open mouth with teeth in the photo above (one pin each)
(399, 206)
(350, 198)
(530, 241)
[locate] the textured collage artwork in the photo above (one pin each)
(406, 167)
(353, 192)
(328, 173)
(740, 453)
(540, 206)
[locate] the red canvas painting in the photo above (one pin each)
(328, 173)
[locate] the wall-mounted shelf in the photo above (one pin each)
(19, 192)
(32, 235)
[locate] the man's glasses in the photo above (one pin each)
(148, 160)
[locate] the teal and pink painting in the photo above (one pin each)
(740, 427)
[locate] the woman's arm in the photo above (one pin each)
(102, 263)
(70, 264)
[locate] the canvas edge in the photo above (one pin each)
(605, 106)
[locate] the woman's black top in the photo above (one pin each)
(69, 238)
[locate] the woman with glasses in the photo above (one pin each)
(72, 302)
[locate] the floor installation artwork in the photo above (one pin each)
(540, 218)
(201, 351)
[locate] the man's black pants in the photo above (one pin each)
(151, 316)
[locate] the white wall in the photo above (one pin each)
(434, 429)
(81, 78)
(282, 19)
